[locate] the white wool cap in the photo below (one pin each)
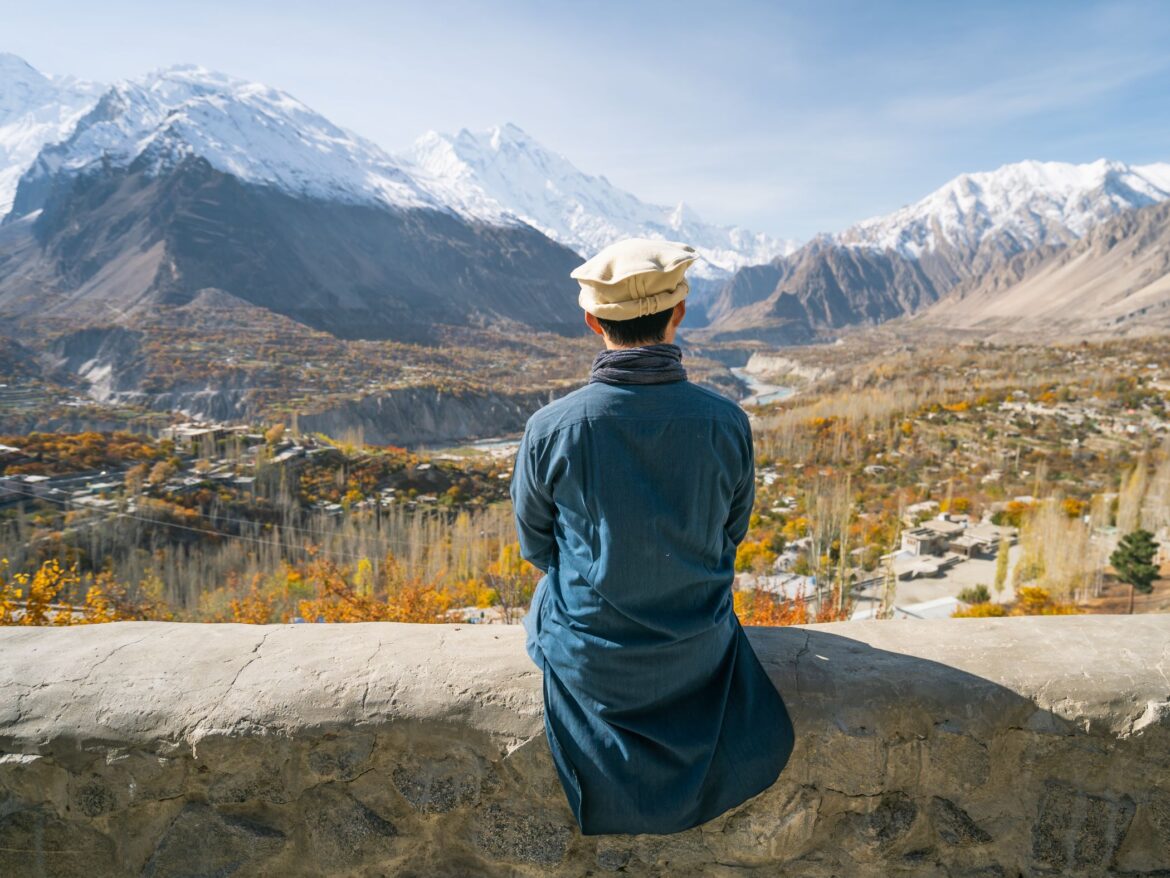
(634, 277)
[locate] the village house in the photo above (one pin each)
(954, 534)
(192, 434)
(25, 485)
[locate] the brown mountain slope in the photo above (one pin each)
(114, 245)
(820, 287)
(1116, 280)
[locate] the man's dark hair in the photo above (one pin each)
(647, 329)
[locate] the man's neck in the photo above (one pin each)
(610, 346)
(613, 346)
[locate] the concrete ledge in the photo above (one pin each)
(1023, 746)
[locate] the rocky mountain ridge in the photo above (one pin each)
(186, 180)
(1113, 280)
(976, 228)
(1015, 207)
(110, 245)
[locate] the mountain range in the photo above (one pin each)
(151, 192)
(187, 180)
(978, 227)
(211, 181)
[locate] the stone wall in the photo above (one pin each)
(957, 748)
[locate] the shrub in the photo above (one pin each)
(979, 594)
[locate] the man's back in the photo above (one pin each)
(653, 488)
(633, 497)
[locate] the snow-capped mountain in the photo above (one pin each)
(1019, 206)
(255, 133)
(261, 135)
(156, 189)
(34, 110)
(504, 171)
(976, 227)
(186, 180)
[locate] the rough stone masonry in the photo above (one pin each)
(990, 747)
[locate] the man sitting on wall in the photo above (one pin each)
(632, 494)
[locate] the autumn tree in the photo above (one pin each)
(135, 478)
(42, 597)
(1031, 600)
(980, 611)
(513, 580)
(160, 472)
(1001, 563)
(34, 599)
(758, 606)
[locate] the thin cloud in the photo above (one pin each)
(1053, 88)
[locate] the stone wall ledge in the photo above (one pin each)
(990, 747)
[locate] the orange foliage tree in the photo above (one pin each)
(758, 606)
(341, 596)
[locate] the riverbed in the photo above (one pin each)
(762, 393)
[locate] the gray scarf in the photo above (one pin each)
(648, 364)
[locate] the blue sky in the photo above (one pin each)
(787, 117)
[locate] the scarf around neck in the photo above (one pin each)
(648, 364)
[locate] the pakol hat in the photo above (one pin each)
(635, 277)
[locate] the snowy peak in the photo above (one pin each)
(264, 136)
(34, 110)
(683, 216)
(22, 87)
(258, 134)
(504, 171)
(1021, 205)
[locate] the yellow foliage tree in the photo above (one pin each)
(795, 528)
(1036, 601)
(29, 599)
(1031, 600)
(274, 434)
(363, 577)
(980, 611)
(757, 606)
(41, 598)
(512, 581)
(754, 555)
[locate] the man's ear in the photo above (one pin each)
(592, 323)
(679, 310)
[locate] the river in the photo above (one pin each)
(761, 392)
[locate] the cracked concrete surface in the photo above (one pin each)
(956, 747)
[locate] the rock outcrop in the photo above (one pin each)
(1035, 746)
(413, 416)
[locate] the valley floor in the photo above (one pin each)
(1060, 449)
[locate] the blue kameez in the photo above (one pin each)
(632, 499)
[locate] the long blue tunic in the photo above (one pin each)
(632, 499)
